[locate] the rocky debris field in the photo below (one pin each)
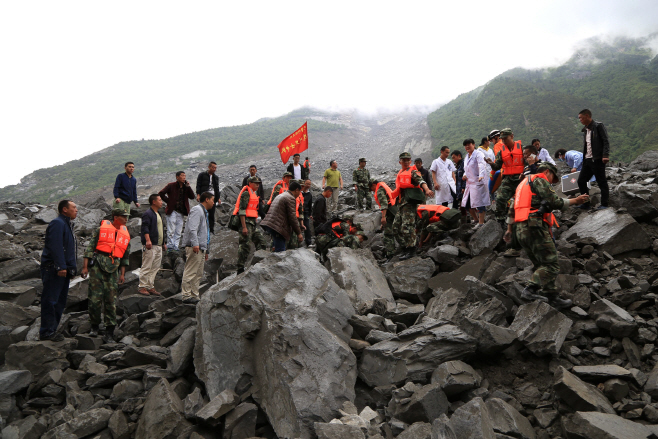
(438, 346)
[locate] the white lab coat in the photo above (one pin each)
(478, 191)
(545, 156)
(488, 153)
(444, 170)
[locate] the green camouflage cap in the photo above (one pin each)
(405, 155)
(372, 181)
(287, 174)
(253, 179)
(120, 212)
(506, 133)
(543, 166)
(365, 237)
(362, 159)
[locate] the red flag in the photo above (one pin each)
(294, 143)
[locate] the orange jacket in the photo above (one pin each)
(284, 187)
(513, 160)
(112, 241)
(298, 201)
(434, 210)
(252, 207)
(389, 192)
(523, 201)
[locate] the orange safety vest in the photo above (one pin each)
(112, 241)
(389, 192)
(284, 187)
(403, 179)
(523, 202)
(498, 147)
(298, 201)
(513, 160)
(252, 207)
(336, 224)
(434, 210)
(306, 163)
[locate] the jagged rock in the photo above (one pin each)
(640, 201)
(490, 338)
(79, 399)
(446, 305)
(172, 317)
(614, 232)
(180, 353)
(337, 431)
(357, 272)
(218, 407)
(136, 356)
(18, 269)
(89, 366)
(647, 161)
(111, 378)
(193, 403)
(578, 394)
(594, 425)
(472, 420)
(126, 389)
(441, 428)
(83, 424)
(135, 303)
(405, 312)
(244, 321)
(27, 428)
(601, 372)
(153, 376)
(443, 253)
(651, 386)
(13, 381)
(486, 237)
(508, 421)
(425, 404)
(39, 357)
(612, 318)
(241, 422)
(417, 430)
(418, 351)
(9, 250)
(541, 328)
(22, 295)
(88, 343)
(45, 216)
(173, 335)
(615, 389)
(456, 377)
(14, 315)
(408, 279)
(162, 415)
(118, 425)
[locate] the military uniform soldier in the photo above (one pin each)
(411, 190)
(386, 202)
(510, 160)
(434, 219)
(530, 211)
(361, 177)
(342, 234)
(280, 187)
(109, 248)
(246, 207)
(294, 242)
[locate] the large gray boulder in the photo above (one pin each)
(15, 315)
(45, 216)
(594, 425)
(614, 232)
(9, 250)
(357, 272)
(162, 416)
(415, 353)
(472, 420)
(640, 201)
(18, 269)
(486, 237)
(408, 279)
(285, 329)
(615, 319)
(13, 381)
(507, 420)
(541, 328)
(87, 221)
(578, 394)
(39, 357)
(647, 161)
(82, 425)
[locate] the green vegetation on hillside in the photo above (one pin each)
(223, 145)
(618, 82)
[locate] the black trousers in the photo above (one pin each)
(53, 300)
(307, 232)
(594, 168)
(211, 218)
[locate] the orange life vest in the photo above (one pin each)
(513, 160)
(306, 163)
(434, 210)
(523, 202)
(252, 207)
(298, 201)
(334, 225)
(403, 179)
(498, 147)
(389, 192)
(112, 241)
(284, 187)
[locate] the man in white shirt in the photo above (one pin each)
(443, 176)
(485, 148)
(543, 153)
(295, 168)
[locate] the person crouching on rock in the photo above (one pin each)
(340, 233)
(434, 219)
(108, 250)
(531, 211)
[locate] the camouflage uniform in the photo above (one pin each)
(506, 189)
(361, 177)
(253, 233)
(389, 234)
(275, 191)
(324, 242)
(103, 283)
(293, 242)
(449, 221)
(534, 237)
(404, 225)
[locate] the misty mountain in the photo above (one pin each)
(617, 80)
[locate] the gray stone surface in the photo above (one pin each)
(579, 395)
(221, 404)
(472, 420)
(408, 279)
(456, 377)
(45, 216)
(13, 381)
(83, 424)
(240, 422)
(541, 328)
(180, 353)
(614, 232)
(507, 420)
(593, 425)
(337, 431)
(417, 430)
(615, 319)
(22, 295)
(425, 405)
(162, 415)
(18, 269)
(245, 323)
(601, 372)
(39, 357)
(357, 272)
(14, 315)
(486, 237)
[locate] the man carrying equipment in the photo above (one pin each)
(280, 187)
(510, 161)
(109, 251)
(386, 202)
(412, 191)
(531, 209)
(361, 177)
(246, 207)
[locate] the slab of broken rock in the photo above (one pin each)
(579, 395)
(541, 328)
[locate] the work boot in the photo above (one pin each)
(143, 291)
(94, 331)
(154, 292)
(109, 335)
(557, 302)
(529, 294)
(409, 253)
(55, 336)
(512, 253)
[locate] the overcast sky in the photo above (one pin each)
(78, 76)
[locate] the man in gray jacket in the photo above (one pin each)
(196, 241)
(282, 216)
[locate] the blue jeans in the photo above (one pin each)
(278, 241)
(53, 300)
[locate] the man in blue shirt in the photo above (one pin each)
(58, 266)
(573, 159)
(125, 189)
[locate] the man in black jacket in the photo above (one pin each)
(152, 232)
(596, 149)
(253, 172)
(298, 171)
(209, 182)
(308, 210)
(320, 207)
